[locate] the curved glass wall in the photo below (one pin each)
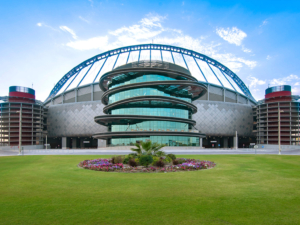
(119, 129)
(144, 78)
(167, 140)
(179, 113)
(152, 126)
(140, 92)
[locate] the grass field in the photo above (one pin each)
(241, 189)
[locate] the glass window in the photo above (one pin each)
(155, 55)
(221, 77)
(194, 69)
(178, 59)
(122, 59)
(210, 76)
(78, 78)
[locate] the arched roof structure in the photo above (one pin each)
(205, 69)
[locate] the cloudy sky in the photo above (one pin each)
(40, 41)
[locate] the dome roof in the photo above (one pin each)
(205, 69)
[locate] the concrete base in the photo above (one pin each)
(25, 147)
(283, 147)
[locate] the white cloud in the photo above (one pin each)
(247, 50)
(151, 28)
(233, 35)
(39, 24)
(92, 2)
(83, 19)
(268, 57)
(289, 80)
(92, 43)
(255, 81)
(69, 30)
(265, 22)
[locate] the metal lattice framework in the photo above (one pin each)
(172, 49)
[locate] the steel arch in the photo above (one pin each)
(150, 47)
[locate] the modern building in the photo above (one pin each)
(21, 110)
(77, 98)
(150, 100)
(276, 118)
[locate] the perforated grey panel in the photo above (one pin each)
(223, 119)
(74, 119)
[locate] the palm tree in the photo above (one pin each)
(148, 148)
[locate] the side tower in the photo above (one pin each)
(21, 119)
(278, 117)
(149, 100)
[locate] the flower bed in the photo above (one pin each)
(106, 165)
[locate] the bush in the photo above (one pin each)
(175, 162)
(117, 159)
(132, 163)
(181, 160)
(160, 163)
(160, 153)
(172, 156)
(167, 159)
(146, 160)
(126, 160)
(155, 159)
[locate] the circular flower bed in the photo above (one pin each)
(179, 164)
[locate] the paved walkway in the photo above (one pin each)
(123, 152)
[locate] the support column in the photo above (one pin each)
(235, 141)
(225, 142)
(64, 142)
(201, 143)
(74, 143)
(101, 143)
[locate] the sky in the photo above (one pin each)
(40, 41)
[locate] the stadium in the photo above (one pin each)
(163, 93)
(223, 108)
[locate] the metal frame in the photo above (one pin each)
(139, 48)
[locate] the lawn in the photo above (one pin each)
(241, 189)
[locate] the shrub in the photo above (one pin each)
(117, 159)
(126, 160)
(172, 156)
(160, 153)
(155, 159)
(160, 163)
(132, 163)
(175, 162)
(167, 159)
(145, 160)
(181, 160)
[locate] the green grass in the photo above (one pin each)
(241, 189)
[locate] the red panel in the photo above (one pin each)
(21, 94)
(278, 94)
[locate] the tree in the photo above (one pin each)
(147, 148)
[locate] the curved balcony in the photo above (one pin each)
(107, 120)
(151, 101)
(177, 88)
(126, 134)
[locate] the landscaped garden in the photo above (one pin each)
(148, 158)
(241, 189)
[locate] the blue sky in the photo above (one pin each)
(40, 41)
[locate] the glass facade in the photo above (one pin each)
(166, 129)
(119, 81)
(152, 126)
(167, 140)
(179, 113)
(140, 92)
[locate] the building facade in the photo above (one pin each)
(21, 119)
(225, 108)
(276, 118)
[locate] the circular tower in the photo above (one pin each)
(149, 100)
